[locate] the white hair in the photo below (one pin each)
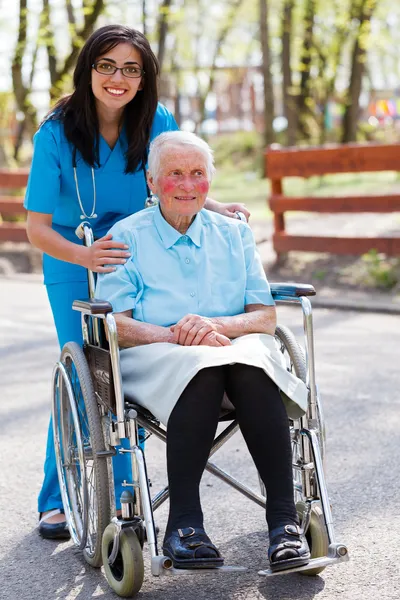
(178, 138)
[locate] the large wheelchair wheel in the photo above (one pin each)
(80, 453)
(292, 351)
(296, 364)
(126, 574)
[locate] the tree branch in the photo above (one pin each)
(162, 29)
(49, 41)
(217, 50)
(92, 10)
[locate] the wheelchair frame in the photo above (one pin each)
(309, 431)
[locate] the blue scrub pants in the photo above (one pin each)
(68, 325)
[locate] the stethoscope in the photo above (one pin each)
(150, 200)
(83, 212)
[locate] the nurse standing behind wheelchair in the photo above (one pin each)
(89, 163)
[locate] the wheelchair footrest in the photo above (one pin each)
(162, 565)
(337, 553)
(220, 570)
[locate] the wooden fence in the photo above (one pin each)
(12, 205)
(347, 158)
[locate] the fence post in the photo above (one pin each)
(279, 218)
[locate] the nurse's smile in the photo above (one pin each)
(115, 91)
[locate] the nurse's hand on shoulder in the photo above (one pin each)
(231, 210)
(104, 253)
(228, 210)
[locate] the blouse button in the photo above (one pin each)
(192, 294)
(187, 261)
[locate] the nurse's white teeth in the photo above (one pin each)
(185, 197)
(115, 91)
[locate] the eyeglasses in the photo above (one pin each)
(105, 68)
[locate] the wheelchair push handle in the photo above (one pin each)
(241, 216)
(84, 232)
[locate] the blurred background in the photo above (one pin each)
(244, 74)
(254, 71)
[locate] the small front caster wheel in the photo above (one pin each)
(125, 575)
(316, 535)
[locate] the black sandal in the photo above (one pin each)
(191, 548)
(288, 548)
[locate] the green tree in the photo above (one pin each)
(59, 67)
(363, 10)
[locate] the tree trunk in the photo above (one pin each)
(352, 108)
(49, 41)
(218, 46)
(21, 92)
(162, 28)
(70, 13)
(144, 17)
(176, 74)
(92, 11)
(305, 98)
(267, 75)
(289, 99)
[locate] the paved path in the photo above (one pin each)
(358, 375)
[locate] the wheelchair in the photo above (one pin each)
(91, 416)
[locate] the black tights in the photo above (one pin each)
(263, 421)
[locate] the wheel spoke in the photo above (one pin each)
(81, 469)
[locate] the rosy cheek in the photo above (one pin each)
(203, 186)
(167, 184)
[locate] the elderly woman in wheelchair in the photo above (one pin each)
(191, 340)
(196, 322)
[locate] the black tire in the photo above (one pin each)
(88, 508)
(294, 350)
(295, 363)
(298, 365)
(126, 575)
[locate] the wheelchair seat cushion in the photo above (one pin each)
(154, 376)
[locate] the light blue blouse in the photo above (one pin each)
(212, 270)
(51, 187)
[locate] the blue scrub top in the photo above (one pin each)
(51, 187)
(213, 270)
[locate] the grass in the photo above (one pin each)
(242, 186)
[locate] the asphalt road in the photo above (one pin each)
(359, 379)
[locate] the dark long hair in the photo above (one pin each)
(78, 110)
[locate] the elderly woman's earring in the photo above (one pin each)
(151, 201)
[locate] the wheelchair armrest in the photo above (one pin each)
(92, 306)
(292, 289)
